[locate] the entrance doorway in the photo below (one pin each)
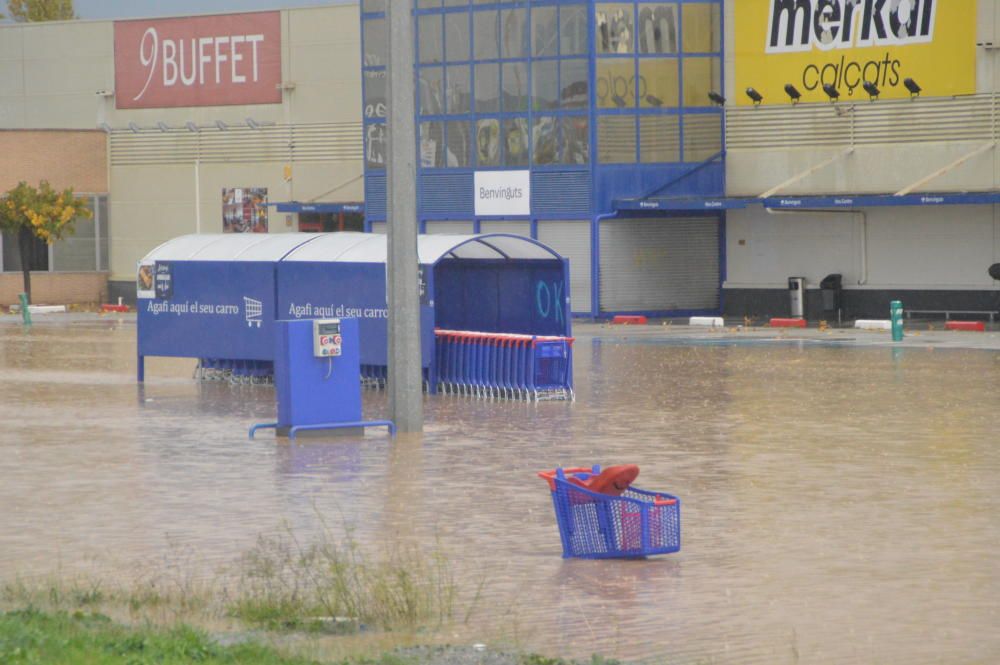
(325, 222)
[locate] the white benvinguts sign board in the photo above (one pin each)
(503, 192)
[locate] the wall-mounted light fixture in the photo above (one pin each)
(912, 86)
(871, 89)
(134, 127)
(191, 126)
(105, 93)
(163, 126)
(793, 94)
(286, 85)
(654, 100)
(716, 98)
(252, 123)
(105, 127)
(221, 125)
(755, 96)
(831, 92)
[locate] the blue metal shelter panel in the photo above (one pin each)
(446, 194)
(214, 309)
(508, 296)
(560, 192)
(636, 181)
(346, 290)
(375, 189)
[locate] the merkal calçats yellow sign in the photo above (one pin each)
(810, 44)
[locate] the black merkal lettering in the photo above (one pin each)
(873, 16)
(790, 9)
(827, 16)
(801, 25)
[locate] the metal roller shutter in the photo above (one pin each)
(659, 264)
(454, 228)
(519, 228)
(572, 240)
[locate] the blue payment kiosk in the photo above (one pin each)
(317, 377)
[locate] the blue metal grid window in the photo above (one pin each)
(596, 88)
(655, 65)
(502, 85)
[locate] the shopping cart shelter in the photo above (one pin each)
(217, 297)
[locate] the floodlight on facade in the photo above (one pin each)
(912, 86)
(755, 96)
(793, 94)
(716, 98)
(871, 89)
(831, 92)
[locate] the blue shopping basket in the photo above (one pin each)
(638, 523)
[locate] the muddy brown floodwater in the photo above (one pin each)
(840, 502)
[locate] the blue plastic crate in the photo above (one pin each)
(638, 523)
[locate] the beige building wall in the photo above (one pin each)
(66, 158)
(60, 75)
(59, 288)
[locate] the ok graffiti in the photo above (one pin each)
(549, 300)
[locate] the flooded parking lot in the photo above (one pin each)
(840, 499)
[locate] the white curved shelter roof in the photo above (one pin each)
(229, 247)
(373, 248)
(343, 247)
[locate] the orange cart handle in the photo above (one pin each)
(660, 501)
(552, 472)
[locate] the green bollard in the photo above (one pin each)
(25, 312)
(896, 315)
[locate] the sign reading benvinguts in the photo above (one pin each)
(198, 61)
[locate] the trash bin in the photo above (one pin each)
(796, 296)
(831, 287)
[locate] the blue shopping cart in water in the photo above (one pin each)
(594, 525)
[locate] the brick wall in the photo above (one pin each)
(65, 158)
(56, 288)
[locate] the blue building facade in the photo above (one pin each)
(596, 114)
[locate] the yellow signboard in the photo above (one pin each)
(820, 48)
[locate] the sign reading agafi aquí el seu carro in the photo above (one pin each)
(844, 43)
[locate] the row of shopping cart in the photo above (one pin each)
(504, 365)
(256, 372)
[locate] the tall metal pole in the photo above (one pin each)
(405, 376)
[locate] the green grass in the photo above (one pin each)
(334, 586)
(35, 637)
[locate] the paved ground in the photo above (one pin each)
(918, 332)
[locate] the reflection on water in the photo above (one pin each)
(839, 502)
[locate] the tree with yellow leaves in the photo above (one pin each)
(32, 11)
(44, 213)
